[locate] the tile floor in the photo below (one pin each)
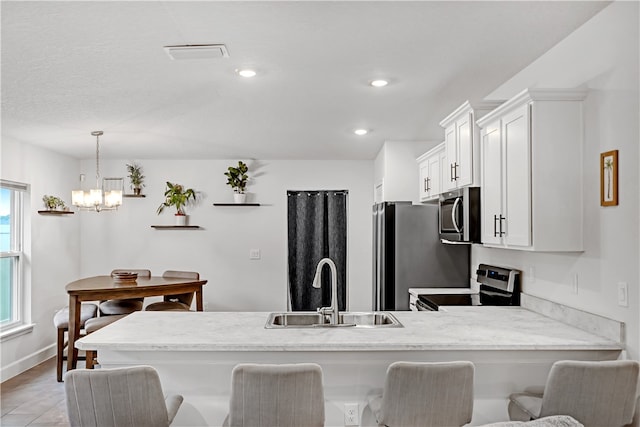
(33, 398)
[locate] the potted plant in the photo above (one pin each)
(53, 203)
(237, 179)
(136, 177)
(176, 195)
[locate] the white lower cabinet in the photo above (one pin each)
(430, 166)
(531, 171)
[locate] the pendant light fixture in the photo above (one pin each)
(105, 196)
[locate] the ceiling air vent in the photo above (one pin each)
(197, 51)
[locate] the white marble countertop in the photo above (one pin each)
(460, 328)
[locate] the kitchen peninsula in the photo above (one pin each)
(512, 348)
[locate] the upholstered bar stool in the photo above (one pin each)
(423, 394)
(288, 395)
(61, 322)
(118, 397)
(594, 393)
(124, 306)
(181, 302)
(93, 325)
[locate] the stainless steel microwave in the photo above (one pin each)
(460, 215)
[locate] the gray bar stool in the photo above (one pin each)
(118, 397)
(181, 302)
(288, 395)
(595, 393)
(425, 394)
(124, 306)
(61, 322)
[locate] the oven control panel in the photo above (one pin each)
(498, 277)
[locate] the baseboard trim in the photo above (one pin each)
(27, 362)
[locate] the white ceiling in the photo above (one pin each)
(69, 68)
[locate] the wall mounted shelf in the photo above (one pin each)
(134, 195)
(176, 227)
(236, 204)
(47, 212)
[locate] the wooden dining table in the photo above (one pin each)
(99, 288)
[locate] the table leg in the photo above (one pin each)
(199, 303)
(74, 331)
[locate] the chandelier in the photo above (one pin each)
(105, 197)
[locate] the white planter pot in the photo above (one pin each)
(182, 219)
(239, 197)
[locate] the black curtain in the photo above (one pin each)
(317, 228)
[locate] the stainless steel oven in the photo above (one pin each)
(460, 215)
(497, 286)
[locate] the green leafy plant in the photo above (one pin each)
(135, 175)
(53, 202)
(176, 195)
(237, 177)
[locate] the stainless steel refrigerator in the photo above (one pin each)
(407, 253)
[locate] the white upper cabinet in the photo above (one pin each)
(531, 171)
(461, 139)
(430, 167)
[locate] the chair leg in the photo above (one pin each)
(90, 359)
(60, 354)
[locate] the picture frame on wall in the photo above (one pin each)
(609, 178)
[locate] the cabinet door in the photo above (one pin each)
(463, 168)
(451, 149)
(424, 179)
(491, 183)
(434, 175)
(517, 177)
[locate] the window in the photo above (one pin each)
(11, 254)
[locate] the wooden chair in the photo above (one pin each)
(118, 397)
(61, 322)
(181, 302)
(290, 395)
(425, 394)
(124, 306)
(594, 393)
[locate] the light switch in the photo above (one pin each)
(623, 295)
(254, 253)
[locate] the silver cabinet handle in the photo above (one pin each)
(454, 210)
(455, 171)
(495, 227)
(502, 233)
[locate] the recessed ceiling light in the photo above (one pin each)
(246, 72)
(379, 83)
(361, 132)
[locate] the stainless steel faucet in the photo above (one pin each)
(333, 310)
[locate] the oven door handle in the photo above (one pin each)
(454, 212)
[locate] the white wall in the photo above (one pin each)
(52, 252)
(602, 56)
(220, 250)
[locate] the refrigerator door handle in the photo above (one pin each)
(454, 212)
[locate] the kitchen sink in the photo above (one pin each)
(375, 319)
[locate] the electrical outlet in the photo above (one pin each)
(532, 274)
(575, 283)
(206, 306)
(351, 414)
(254, 253)
(623, 294)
